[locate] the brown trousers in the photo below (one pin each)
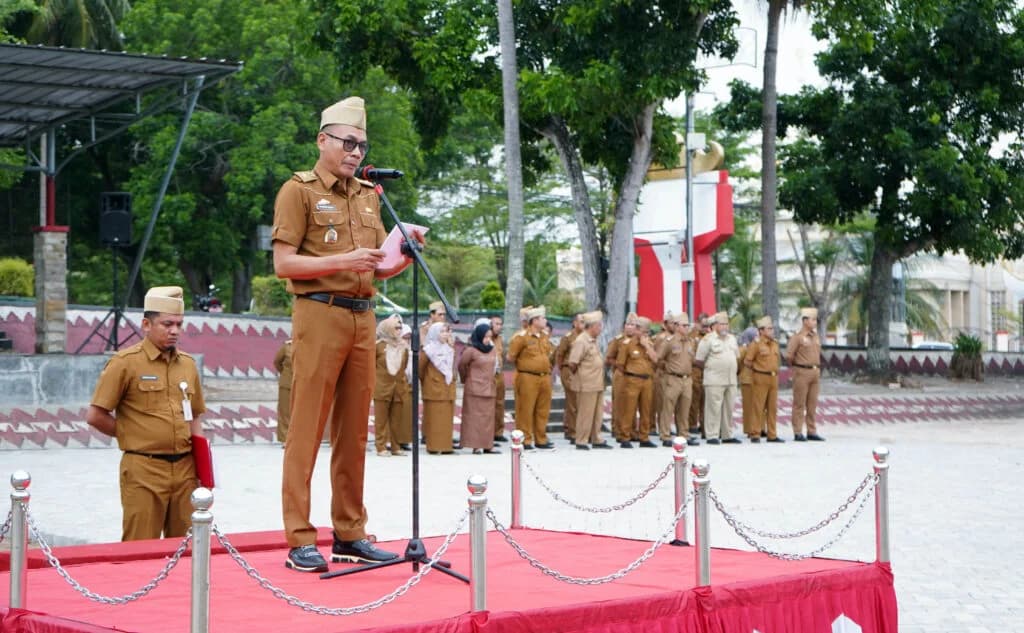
(622, 423)
(656, 399)
(697, 401)
(156, 496)
(750, 428)
(588, 416)
(676, 394)
(499, 404)
(765, 402)
(334, 365)
(533, 405)
(637, 394)
(284, 413)
(805, 399)
(387, 417)
(570, 413)
(401, 427)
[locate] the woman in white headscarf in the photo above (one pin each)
(390, 388)
(476, 370)
(437, 383)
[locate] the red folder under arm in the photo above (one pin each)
(203, 457)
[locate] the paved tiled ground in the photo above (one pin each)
(957, 542)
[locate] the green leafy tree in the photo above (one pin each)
(491, 297)
(70, 23)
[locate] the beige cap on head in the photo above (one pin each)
(808, 313)
(765, 321)
(533, 313)
(721, 317)
(437, 306)
(681, 318)
(523, 311)
(165, 299)
(589, 318)
(643, 323)
(631, 318)
(348, 111)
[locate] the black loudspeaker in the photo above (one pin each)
(116, 218)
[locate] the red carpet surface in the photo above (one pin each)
(749, 591)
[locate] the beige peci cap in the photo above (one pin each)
(721, 317)
(165, 299)
(682, 318)
(809, 313)
(589, 318)
(643, 323)
(348, 111)
(765, 321)
(533, 313)
(437, 306)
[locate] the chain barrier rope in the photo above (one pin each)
(6, 527)
(281, 594)
(666, 536)
(95, 597)
(734, 524)
(615, 508)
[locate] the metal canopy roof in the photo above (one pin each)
(43, 88)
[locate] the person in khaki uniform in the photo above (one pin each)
(476, 371)
(567, 376)
(283, 365)
(700, 329)
(497, 324)
(636, 361)
(389, 389)
(437, 389)
(659, 339)
(149, 397)
(587, 365)
(762, 358)
(803, 354)
(718, 354)
(437, 315)
(622, 423)
(675, 360)
(402, 431)
(326, 239)
(532, 354)
(746, 380)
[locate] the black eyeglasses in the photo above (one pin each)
(349, 144)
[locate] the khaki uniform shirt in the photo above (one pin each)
(763, 356)
(499, 354)
(143, 387)
(612, 353)
(804, 348)
(531, 353)
(633, 358)
(321, 215)
(676, 355)
(719, 355)
(562, 360)
(586, 355)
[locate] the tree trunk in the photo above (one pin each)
(879, 301)
(558, 133)
(616, 295)
(769, 127)
(513, 165)
(241, 287)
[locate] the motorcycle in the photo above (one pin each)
(207, 302)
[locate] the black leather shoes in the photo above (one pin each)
(527, 447)
(756, 439)
(582, 447)
(361, 551)
(692, 441)
(814, 437)
(306, 558)
(406, 447)
(732, 440)
(799, 438)
(714, 440)
(546, 445)
(776, 440)
(764, 433)
(626, 444)
(666, 443)
(648, 444)
(602, 445)
(500, 438)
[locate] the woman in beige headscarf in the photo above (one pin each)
(437, 381)
(389, 391)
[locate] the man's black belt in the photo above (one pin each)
(644, 376)
(672, 373)
(167, 457)
(341, 301)
(766, 373)
(805, 366)
(535, 373)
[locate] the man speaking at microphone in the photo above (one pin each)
(327, 236)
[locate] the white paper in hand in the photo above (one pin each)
(392, 245)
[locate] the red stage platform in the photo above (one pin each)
(750, 591)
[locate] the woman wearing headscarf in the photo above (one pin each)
(476, 370)
(437, 385)
(402, 432)
(390, 389)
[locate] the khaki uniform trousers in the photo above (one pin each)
(387, 416)
(622, 422)
(676, 394)
(533, 405)
(284, 412)
(750, 428)
(156, 496)
(697, 401)
(499, 404)
(571, 411)
(656, 399)
(765, 401)
(805, 399)
(589, 416)
(719, 401)
(638, 393)
(334, 364)
(401, 424)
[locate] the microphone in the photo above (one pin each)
(369, 172)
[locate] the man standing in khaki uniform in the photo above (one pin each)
(436, 315)
(803, 353)
(636, 361)
(587, 365)
(718, 354)
(763, 360)
(567, 376)
(675, 360)
(622, 424)
(283, 365)
(154, 390)
(667, 329)
(532, 354)
(746, 379)
(700, 328)
(497, 323)
(326, 238)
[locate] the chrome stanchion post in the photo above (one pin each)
(517, 478)
(701, 521)
(202, 522)
(881, 465)
(679, 463)
(20, 481)
(477, 486)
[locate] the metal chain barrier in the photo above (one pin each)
(363, 608)
(870, 479)
(95, 597)
(615, 508)
(782, 555)
(6, 527)
(600, 580)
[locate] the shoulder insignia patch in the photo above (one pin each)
(305, 176)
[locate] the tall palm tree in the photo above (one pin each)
(77, 24)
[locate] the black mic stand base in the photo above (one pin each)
(415, 553)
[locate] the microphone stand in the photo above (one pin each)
(415, 552)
